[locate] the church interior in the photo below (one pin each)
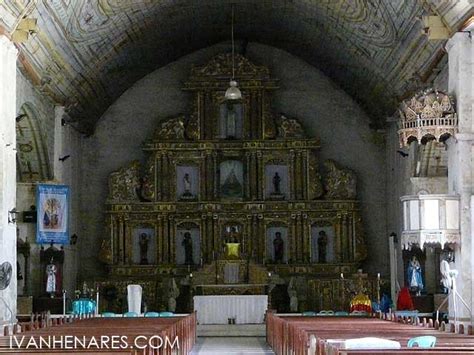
(221, 170)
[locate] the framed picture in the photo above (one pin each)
(52, 214)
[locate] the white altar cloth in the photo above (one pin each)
(134, 298)
(218, 309)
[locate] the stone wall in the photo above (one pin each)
(324, 109)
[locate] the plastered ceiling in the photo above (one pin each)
(86, 53)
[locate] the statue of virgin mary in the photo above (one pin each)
(415, 281)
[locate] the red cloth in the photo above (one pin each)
(404, 301)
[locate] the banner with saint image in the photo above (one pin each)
(53, 214)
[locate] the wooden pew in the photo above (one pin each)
(184, 328)
(320, 335)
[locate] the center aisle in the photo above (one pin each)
(231, 345)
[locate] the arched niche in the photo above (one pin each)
(188, 240)
(276, 242)
(32, 155)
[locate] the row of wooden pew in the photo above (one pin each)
(88, 335)
(326, 335)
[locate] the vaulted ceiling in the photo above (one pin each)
(86, 53)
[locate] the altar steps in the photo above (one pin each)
(231, 330)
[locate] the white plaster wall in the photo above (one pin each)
(323, 108)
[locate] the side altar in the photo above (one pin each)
(230, 194)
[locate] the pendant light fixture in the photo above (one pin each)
(233, 92)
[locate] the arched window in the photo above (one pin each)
(32, 156)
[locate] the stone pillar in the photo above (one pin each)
(58, 166)
(461, 77)
(8, 55)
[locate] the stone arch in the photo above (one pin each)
(32, 154)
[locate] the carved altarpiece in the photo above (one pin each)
(151, 195)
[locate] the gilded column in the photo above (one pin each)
(293, 239)
(204, 239)
(305, 174)
(258, 171)
(345, 236)
(159, 240)
(305, 232)
(114, 245)
(292, 175)
(128, 241)
(172, 234)
(261, 237)
(248, 178)
(215, 232)
(166, 251)
(254, 249)
(338, 234)
(121, 239)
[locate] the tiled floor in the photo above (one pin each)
(231, 346)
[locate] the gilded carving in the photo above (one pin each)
(289, 127)
(221, 65)
(124, 183)
(171, 129)
(340, 182)
(105, 253)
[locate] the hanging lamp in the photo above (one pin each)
(233, 92)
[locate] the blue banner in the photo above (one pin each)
(52, 203)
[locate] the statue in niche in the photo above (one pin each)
(51, 271)
(322, 246)
(187, 194)
(231, 122)
(187, 243)
(340, 183)
(143, 243)
(415, 281)
(232, 186)
(278, 247)
(276, 184)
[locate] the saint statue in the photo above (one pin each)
(143, 243)
(276, 183)
(278, 247)
(231, 122)
(188, 249)
(51, 278)
(187, 184)
(322, 245)
(415, 281)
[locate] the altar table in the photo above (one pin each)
(218, 309)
